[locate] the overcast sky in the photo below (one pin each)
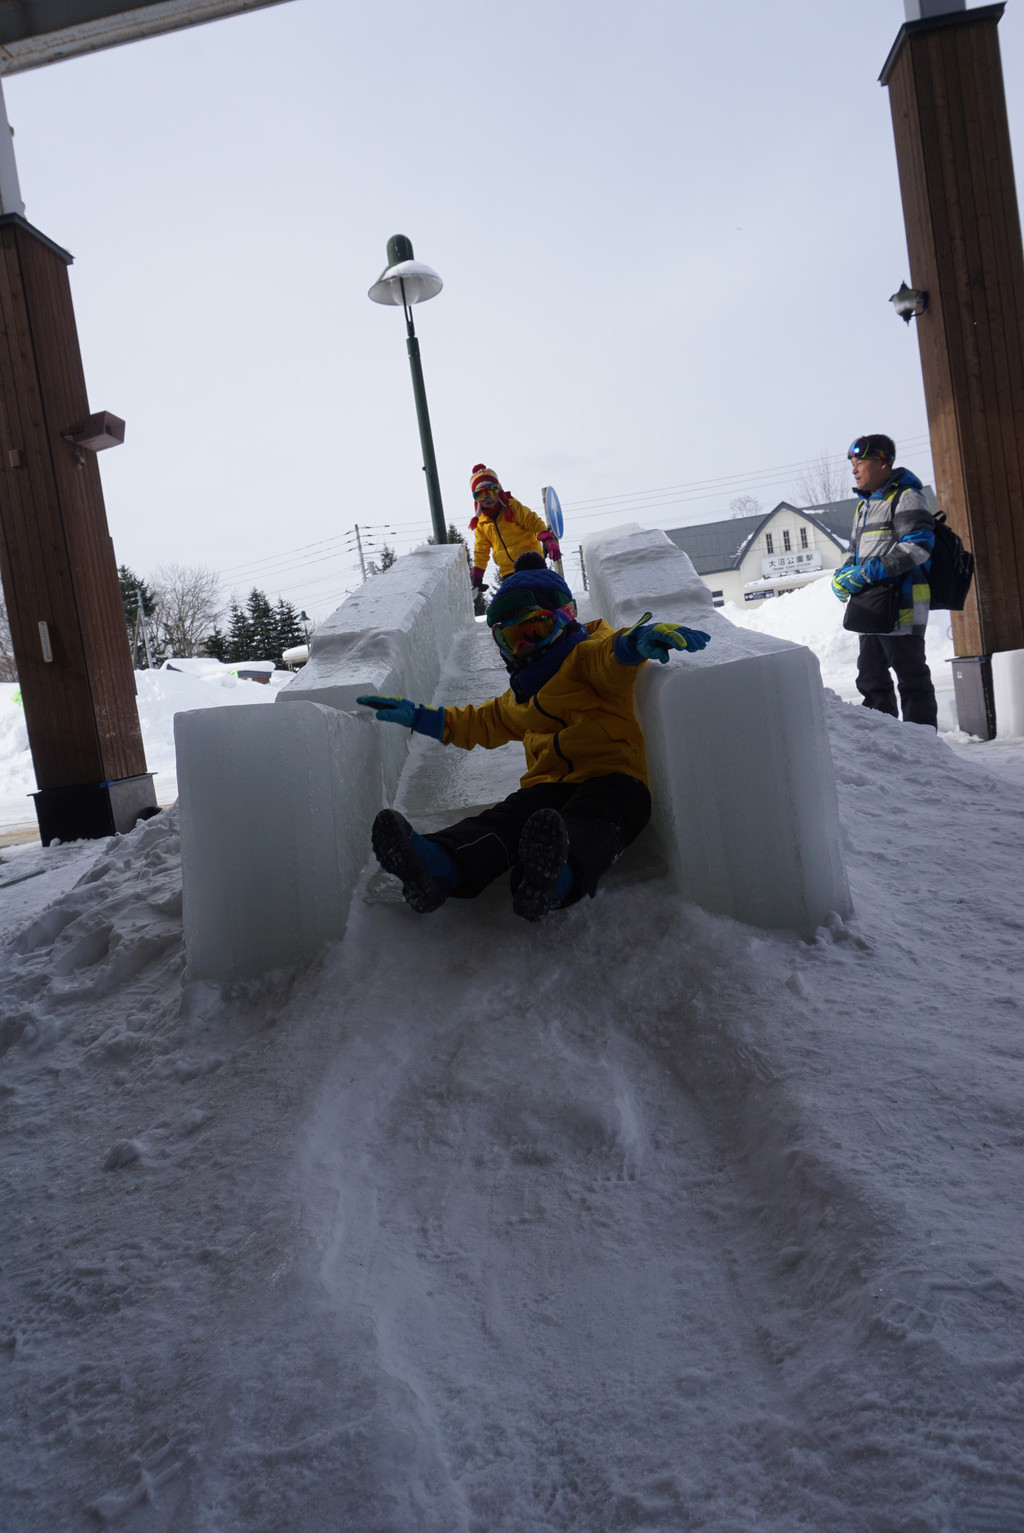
(668, 233)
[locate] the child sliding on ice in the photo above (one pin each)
(584, 795)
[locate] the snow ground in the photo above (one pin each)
(640, 1220)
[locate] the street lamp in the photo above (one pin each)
(407, 281)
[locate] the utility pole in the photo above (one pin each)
(141, 630)
(359, 546)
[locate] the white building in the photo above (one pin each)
(749, 558)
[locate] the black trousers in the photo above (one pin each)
(904, 654)
(602, 815)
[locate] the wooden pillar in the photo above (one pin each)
(57, 560)
(945, 83)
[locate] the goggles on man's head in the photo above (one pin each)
(526, 632)
(863, 448)
(485, 492)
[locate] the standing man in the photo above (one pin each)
(504, 528)
(885, 582)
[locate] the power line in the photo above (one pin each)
(726, 481)
(291, 562)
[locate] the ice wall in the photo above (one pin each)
(392, 636)
(275, 808)
(740, 766)
(276, 804)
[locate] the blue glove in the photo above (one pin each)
(399, 710)
(656, 641)
(847, 581)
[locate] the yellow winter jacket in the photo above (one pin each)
(514, 531)
(580, 724)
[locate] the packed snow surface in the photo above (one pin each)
(638, 1220)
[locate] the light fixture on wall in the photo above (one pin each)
(909, 302)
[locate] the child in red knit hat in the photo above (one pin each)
(504, 528)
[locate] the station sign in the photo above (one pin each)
(790, 564)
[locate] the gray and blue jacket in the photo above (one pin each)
(893, 538)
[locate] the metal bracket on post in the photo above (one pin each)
(97, 432)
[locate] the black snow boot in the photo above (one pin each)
(392, 839)
(543, 849)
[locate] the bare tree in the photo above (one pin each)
(8, 669)
(823, 481)
(189, 606)
(744, 505)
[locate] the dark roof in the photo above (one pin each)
(836, 517)
(716, 546)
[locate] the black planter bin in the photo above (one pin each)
(972, 688)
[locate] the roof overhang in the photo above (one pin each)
(36, 32)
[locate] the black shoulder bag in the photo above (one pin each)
(876, 609)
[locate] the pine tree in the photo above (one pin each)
(215, 645)
(256, 631)
(387, 558)
(240, 635)
(454, 535)
(264, 628)
(288, 631)
(131, 589)
(135, 592)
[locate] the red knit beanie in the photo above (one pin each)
(482, 476)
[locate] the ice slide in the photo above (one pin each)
(276, 803)
(569, 1255)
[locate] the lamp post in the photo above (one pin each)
(407, 281)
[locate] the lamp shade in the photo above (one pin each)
(419, 281)
(402, 271)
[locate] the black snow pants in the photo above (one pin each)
(904, 654)
(602, 815)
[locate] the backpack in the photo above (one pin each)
(952, 568)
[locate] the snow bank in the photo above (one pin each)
(737, 746)
(17, 779)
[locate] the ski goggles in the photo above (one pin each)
(486, 492)
(527, 632)
(863, 448)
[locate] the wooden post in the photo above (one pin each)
(945, 83)
(57, 560)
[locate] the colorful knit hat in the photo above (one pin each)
(530, 585)
(482, 476)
